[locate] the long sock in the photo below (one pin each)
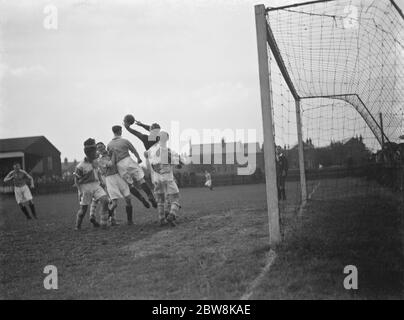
(25, 211)
(93, 208)
(172, 216)
(149, 193)
(113, 221)
(79, 220)
(138, 195)
(160, 210)
(111, 212)
(32, 207)
(167, 207)
(175, 207)
(129, 210)
(147, 190)
(104, 217)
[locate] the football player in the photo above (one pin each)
(148, 140)
(128, 169)
(87, 180)
(21, 190)
(116, 187)
(162, 160)
(208, 182)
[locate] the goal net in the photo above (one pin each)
(342, 62)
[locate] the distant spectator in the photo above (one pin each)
(282, 168)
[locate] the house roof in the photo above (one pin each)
(22, 144)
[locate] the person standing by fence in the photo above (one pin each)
(282, 168)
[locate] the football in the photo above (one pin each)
(129, 119)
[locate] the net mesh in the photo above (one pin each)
(343, 61)
(349, 51)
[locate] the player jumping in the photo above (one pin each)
(128, 169)
(147, 140)
(21, 190)
(87, 181)
(162, 160)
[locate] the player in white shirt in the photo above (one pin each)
(162, 160)
(21, 190)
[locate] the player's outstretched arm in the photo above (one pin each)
(136, 133)
(134, 151)
(113, 158)
(78, 174)
(77, 184)
(144, 126)
(9, 176)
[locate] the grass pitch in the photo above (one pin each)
(218, 248)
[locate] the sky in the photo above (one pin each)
(191, 62)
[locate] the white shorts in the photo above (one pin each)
(130, 170)
(116, 187)
(208, 183)
(91, 191)
(22, 194)
(166, 187)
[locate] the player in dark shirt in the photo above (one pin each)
(282, 168)
(148, 139)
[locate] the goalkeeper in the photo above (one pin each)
(148, 140)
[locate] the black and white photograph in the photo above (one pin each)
(224, 152)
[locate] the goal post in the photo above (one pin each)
(264, 40)
(269, 140)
